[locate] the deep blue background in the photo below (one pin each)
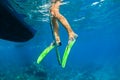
(98, 44)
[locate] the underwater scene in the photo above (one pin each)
(29, 51)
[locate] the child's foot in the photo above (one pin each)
(72, 37)
(58, 43)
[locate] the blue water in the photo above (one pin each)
(95, 55)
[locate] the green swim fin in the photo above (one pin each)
(44, 53)
(66, 53)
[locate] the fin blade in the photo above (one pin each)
(44, 53)
(66, 53)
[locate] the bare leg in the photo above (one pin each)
(66, 25)
(56, 27)
(55, 13)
